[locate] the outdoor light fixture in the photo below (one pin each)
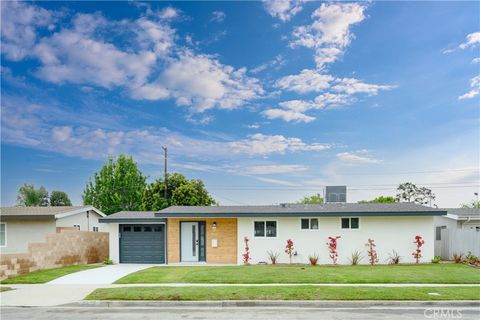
(214, 226)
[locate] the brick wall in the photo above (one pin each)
(225, 233)
(66, 247)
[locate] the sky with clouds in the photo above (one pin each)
(264, 101)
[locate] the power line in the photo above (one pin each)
(317, 188)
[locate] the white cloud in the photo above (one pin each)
(471, 40)
(283, 9)
(360, 156)
(20, 22)
(475, 85)
(287, 115)
(329, 34)
(169, 13)
(276, 63)
(61, 133)
(278, 181)
(218, 16)
(353, 86)
(476, 60)
(253, 126)
(261, 144)
(306, 81)
(275, 169)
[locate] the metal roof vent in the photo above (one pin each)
(336, 194)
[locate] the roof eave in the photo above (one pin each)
(300, 214)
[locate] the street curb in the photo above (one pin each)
(328, 304)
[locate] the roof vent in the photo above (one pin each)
(336, 194)
(283, 205)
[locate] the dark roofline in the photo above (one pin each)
(131, 220)
(301, 214)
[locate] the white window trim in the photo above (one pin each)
(265, 229)
(93, 228)
(5, 235)
(350, 223)
(77, 225)
(310, 224)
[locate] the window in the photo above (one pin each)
(3, 234)
(95, 229)
(77, 226)
(137, 229)
(438, 232)
(147, 229)
(350, 223)
(127, 229)
(265, 229)
(309, 224)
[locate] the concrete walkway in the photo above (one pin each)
(103, 275)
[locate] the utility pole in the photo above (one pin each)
(165, 171)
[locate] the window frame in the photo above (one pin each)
(265, 229)
(77, 226)
(310, 224)
(95, 227)
(350, 223)
(5, 233)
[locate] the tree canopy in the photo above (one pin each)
(472, 204)
(59, 198)
(180, 192)
(408, 192)
(381, 199)
(314, 199)
(119, 185)
(28, 196)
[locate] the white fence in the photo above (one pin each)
(459, 241)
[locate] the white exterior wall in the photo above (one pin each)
(81, 219)
(22, 232)
(389, 233)
(113, 241)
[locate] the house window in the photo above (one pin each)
(309, 224)
(3, 234)
(77, 226)
(438, 232)
(265, 229)
(350, 223)
(95, 229)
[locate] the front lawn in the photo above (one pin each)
(46, 275)
(429, 273)
(286, 293)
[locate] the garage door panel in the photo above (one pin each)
(142, 243)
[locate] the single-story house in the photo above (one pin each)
(216, 234)
(459, 218)
(20, 226)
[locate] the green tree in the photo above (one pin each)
(180, 192)
(315, 199)
(28, 196)
(118, 186)
(59, 198)
(381, 199)
(408, 192)
(473, 204)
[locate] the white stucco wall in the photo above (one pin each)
(389, 233)
(113, 241)
(22, 232)
(81, 219)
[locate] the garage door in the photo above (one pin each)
(142, 243)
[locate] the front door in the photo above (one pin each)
(190, 241)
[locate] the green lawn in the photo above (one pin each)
(429, 273)
(45, 275)
(285, 293)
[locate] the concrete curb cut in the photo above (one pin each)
(328, 304)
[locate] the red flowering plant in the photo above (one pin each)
(372, 252)
(289, 249)
(246, 255)
(332, 248)
(417, 254)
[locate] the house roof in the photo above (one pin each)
(464, 213)
(45, 212)
(328, 209)
(131, 217)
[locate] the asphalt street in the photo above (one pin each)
(234, 313)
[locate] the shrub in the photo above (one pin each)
(436, 259)
(457, 257)
(471, 258)
(417, 254)
(289, 249)
(394, 257)
(246, 255)
(332, 248)
(273, 256)
(372, 252)
(313, 259)
(107, 261)
(355, 258)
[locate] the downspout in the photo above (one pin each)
(466, 221)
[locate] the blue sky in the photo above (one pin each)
(264, 101)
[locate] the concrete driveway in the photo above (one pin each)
(102, 275)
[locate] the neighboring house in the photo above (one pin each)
(458, 232)
(215, 234)
(20, 226)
